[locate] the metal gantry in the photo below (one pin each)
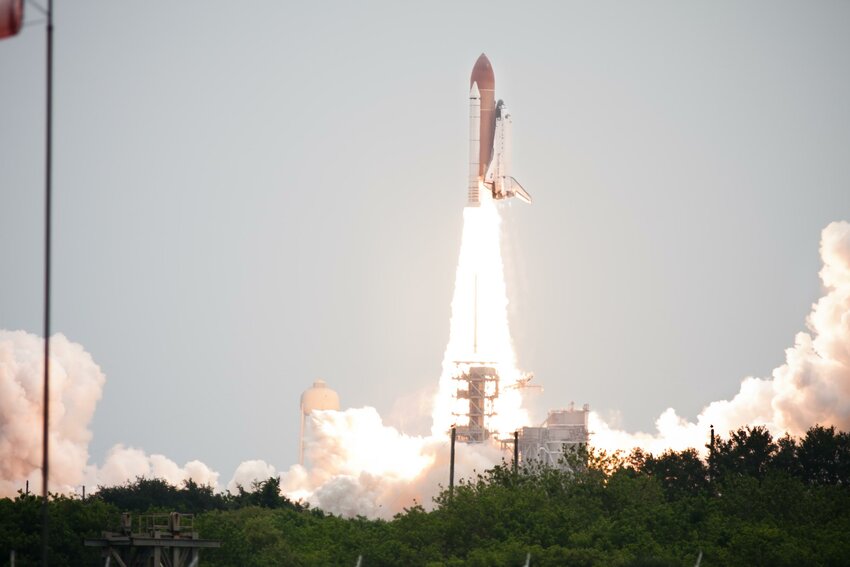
(562, 429)
(158, 540)
(480, 386)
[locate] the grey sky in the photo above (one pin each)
(248, 198)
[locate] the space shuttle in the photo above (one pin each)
(489, 140)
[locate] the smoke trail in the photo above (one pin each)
(812, 387)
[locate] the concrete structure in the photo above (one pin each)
(562, 430)
(318, 397)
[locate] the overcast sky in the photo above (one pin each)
(249, 196)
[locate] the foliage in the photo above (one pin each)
(754, 501)
(70, 521)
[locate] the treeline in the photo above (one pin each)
(754, 501)
(152, 495)
(72, 519)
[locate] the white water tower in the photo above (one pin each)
(318, 397)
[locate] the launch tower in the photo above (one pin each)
(480, 386)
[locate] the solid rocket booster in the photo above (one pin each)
(489, 139)
(474, 144)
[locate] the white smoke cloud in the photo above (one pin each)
(75, 387)
(812, 387)
(127, 463)
(359, 466)
(249, 472)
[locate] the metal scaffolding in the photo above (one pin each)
(480, 386)
(158, 540)
(562, 430)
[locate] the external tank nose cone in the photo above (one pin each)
(482, 73)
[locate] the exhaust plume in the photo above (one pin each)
(75, 387)
(249, 472)
(812, 387)
(358, 465)
(479, 329)
(127, 463)
(350, 476)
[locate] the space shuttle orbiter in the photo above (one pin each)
(489, 139)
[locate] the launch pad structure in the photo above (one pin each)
(480, 385)
(476, 373)
(562, 430)
(156, 540)
(489, 177)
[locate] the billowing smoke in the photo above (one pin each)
(76, 385)
(358, 465)
(812, 387)
(127, 463)
(249, 472)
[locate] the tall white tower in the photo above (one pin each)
(318, 397)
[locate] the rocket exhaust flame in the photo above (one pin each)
(358, 465)
(813, 386)
(479, 334)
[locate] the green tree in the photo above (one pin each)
(824, 456)
(680, 473)
(747, 452)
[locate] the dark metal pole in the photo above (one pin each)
(516, 451)
(45, 445)
(452, 465)
(711, 455)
